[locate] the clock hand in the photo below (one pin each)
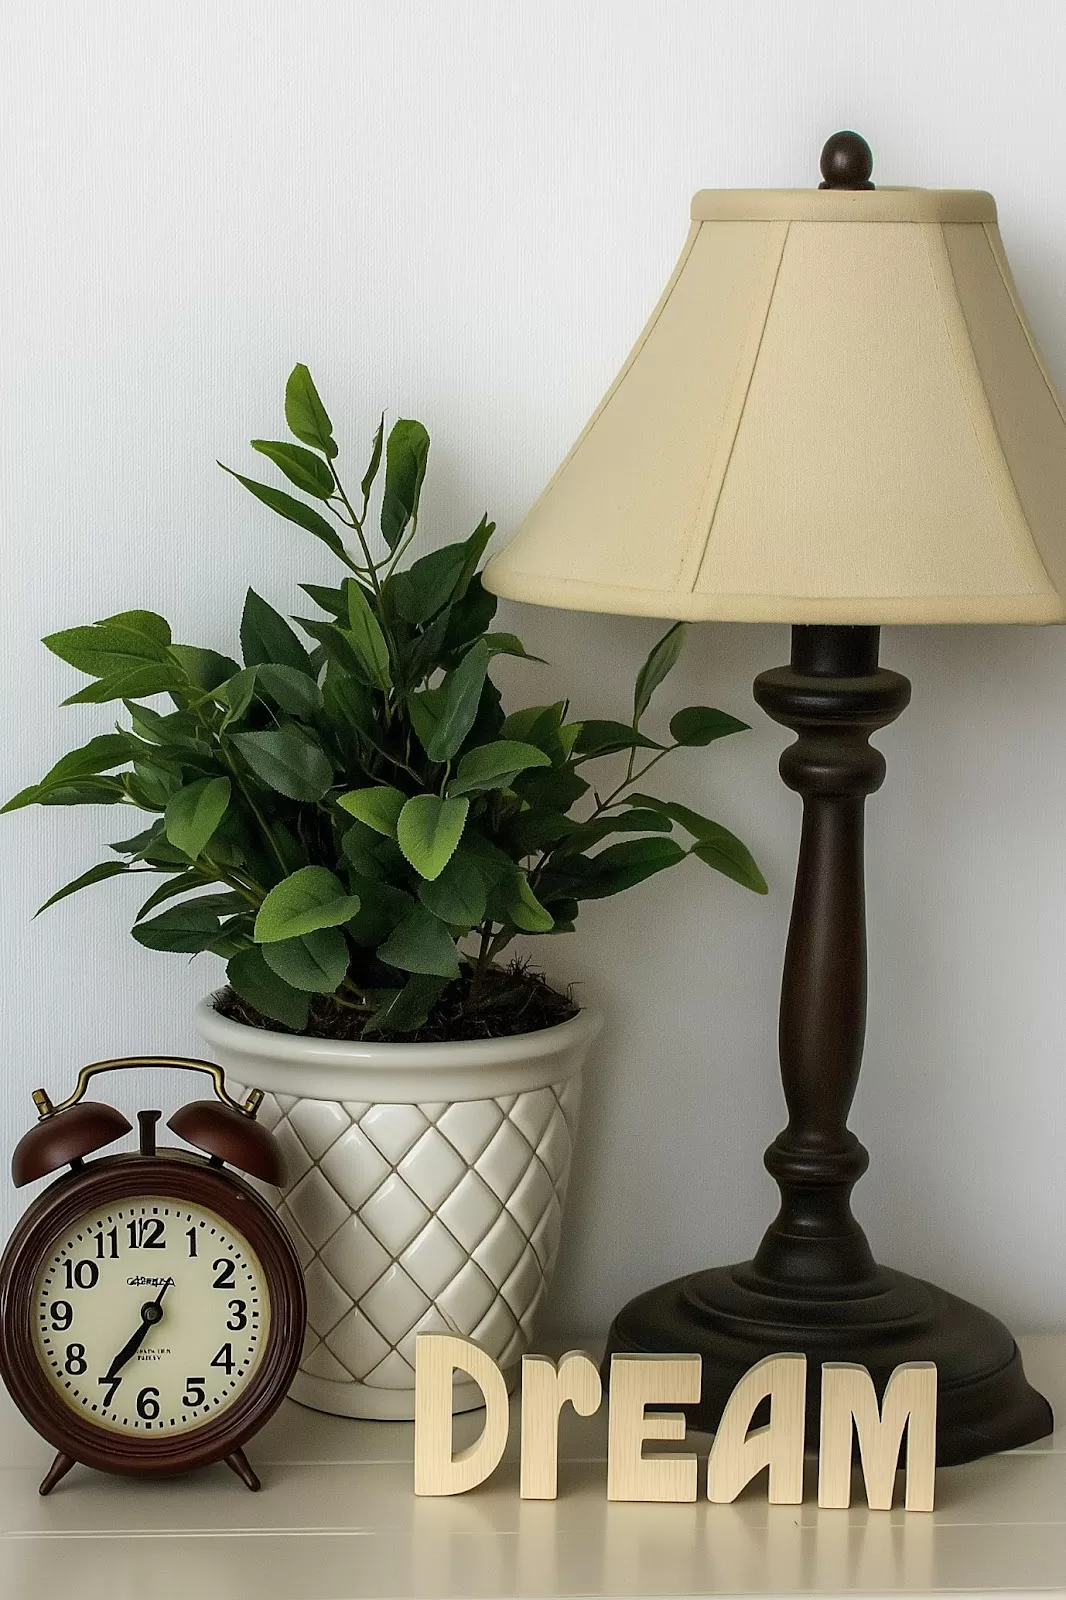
(151, 1313)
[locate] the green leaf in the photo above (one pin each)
(97, 874)
(253, 980)
(381, 907)
(294, 511)
(364, 850)
(715, 845)
(538, 828)
(607, 738)
(177, 730)
(147, 622)
(509, 644)
(207, 669)
(153, 678)
(82, 791)
(186, 928)
(375, 460)
(584, 835)
(366, 638)
(290, 689)
(440, 578)
(408, 1008)
(107, 649)
(492, 766)
(405, 468)
(556, 790)
(237, 695)
(287, 761)
(421, 943)
(378, 807)
(661, 659)
(333, 601)
(427, 585)
(459, 697)
(106, 751)
(514, 902)
(302, 467)
(428, 831)
(266, 636)
(315, 963)
(305, 413)
(424, 710)
(622, 865)
(309, 899)
(470, 616)
(459, 895)
(700, 725)
(727, 855)
(193, 814)
(181, 883)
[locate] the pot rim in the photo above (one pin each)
(264, 1044)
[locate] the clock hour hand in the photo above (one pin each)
(151, 1313)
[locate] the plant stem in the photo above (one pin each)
(630, 777)
(357, 525)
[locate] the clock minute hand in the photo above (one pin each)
(151, 1313)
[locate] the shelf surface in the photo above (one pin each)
(337, 1519)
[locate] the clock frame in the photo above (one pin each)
(229, 1132)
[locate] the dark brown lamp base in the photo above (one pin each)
(814, 1286)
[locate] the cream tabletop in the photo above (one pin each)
(337, 1519)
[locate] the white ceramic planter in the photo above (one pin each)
(425, 1192)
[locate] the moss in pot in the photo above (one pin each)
(354, 822)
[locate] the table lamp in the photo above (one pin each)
(836, 418)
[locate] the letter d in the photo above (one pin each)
(437, 1470)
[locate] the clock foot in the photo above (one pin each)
(59, 1469)
(238, 1461)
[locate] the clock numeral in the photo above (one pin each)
(81, 1274)
(224, 1359)
(75, 1362)
(190, 1234)
(62, 1315)
(109, 1238)
(112, 1385)
(195, 1392)
(146, 1233)
(225, 1270)
(148, 1404)
(239, 1319)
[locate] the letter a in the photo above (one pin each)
(738, 1455)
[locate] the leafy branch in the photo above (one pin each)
(352, 813)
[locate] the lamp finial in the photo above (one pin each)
(846, 162)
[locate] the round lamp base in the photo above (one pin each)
(733, 1318)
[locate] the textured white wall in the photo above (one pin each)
(463, 211)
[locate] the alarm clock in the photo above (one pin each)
(152, 1306)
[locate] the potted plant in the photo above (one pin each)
(359, 828)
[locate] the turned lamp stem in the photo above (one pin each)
(834, 696)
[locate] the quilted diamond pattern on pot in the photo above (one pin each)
(421, 1218)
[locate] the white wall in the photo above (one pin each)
(463, 211)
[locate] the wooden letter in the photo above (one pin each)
(738, 1455)
(910, 1402)
(437, 1470)
(545, 1390)
(636, 1382)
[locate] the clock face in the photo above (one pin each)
(150, 1315)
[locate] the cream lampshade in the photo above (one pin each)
(836, 413)
(836, 417)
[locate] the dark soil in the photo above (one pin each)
(510, 1000)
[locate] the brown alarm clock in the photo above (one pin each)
(152, 1306)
